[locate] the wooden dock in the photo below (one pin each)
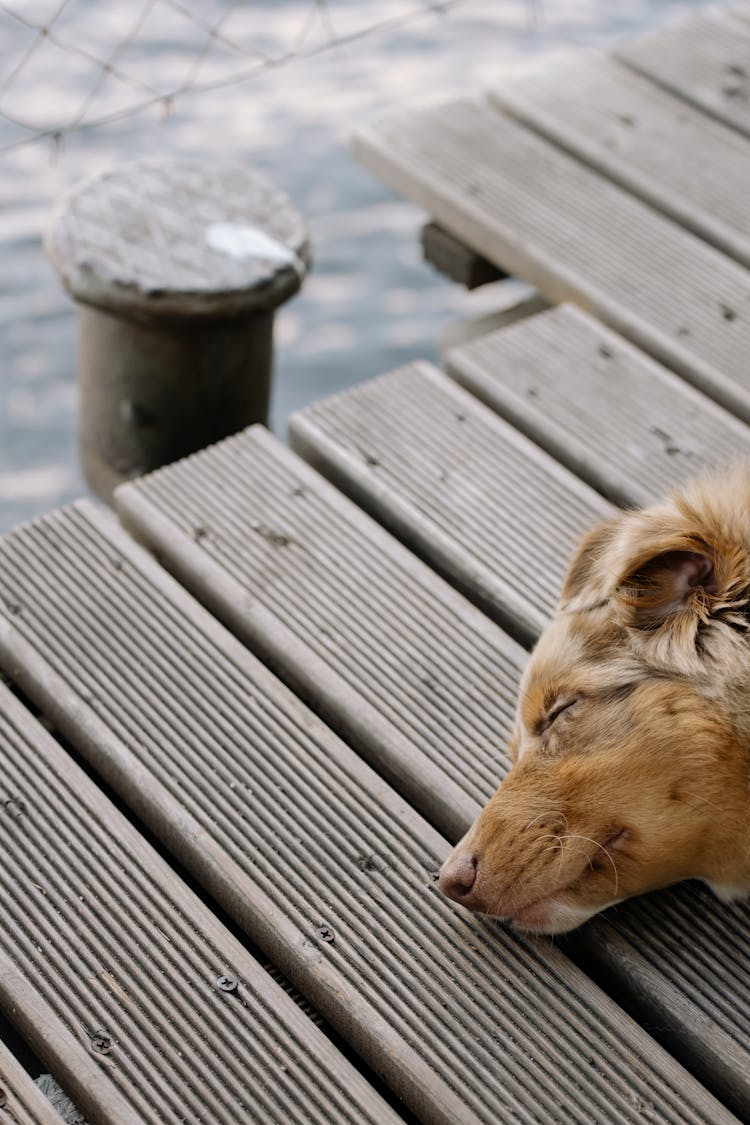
(240, 727)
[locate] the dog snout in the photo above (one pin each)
(458, 875)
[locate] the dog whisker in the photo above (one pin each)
(601, 848)
(534, 820)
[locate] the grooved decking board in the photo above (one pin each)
(651, 142)
(705, 60)
(681, 957)
(574, 235)
(21, 1100)
(64, 1050)
(618, 419)
(114, 942)
(683, 951)
(684, 959)
(404, 667)
(309, 850)
(458, 484)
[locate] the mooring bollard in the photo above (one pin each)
(177, 268)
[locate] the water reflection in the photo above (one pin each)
(371, 304)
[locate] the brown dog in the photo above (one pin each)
(632, 738)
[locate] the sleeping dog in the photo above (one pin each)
(631, 745)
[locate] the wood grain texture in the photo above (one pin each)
(574, 235)
(618, 419)
(705, 60)
(688, 165)
(312, 854)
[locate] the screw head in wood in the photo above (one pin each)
(227, 984)
(101, 1041)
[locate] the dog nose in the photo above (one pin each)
(458, 875)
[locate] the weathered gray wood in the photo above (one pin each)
(64, 1048)
(176, 238)
(575, 236)
(618, 419)
(334, 599)
(706, 60)
(178, 266)
(681, 957)
(309, 850)
(21, 1100)
(668, 153)
(458, 485)
(116, 944)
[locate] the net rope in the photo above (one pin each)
(113, 72)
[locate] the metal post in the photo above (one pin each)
(177, 268)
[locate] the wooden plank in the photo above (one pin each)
(705, 60)
(85, 1074)
(334, 597)
(457, 484)
(21, 1100)
(619, 420)
(680, 957)
(113, 941)
(313, 855)
(575, 236)
(692, 168)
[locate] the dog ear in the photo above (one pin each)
(582, 576)
(667, 584)
(651, 569)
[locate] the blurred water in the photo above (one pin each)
(370, 303)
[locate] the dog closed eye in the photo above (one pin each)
(559, 707)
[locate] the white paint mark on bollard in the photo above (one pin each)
(244, 241)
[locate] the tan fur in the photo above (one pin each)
(632, 737)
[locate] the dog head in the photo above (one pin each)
(631, 746)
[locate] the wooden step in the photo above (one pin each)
(573, 234)
(326, 869)
(616, 418)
